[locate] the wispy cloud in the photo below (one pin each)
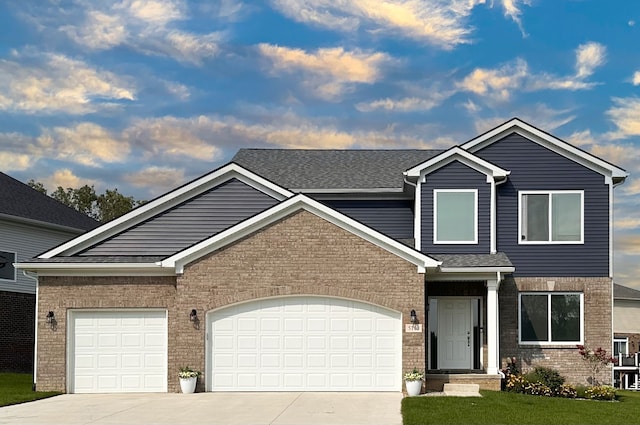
(498, 83)
(46, 83)
(421, 96)
(157, 179)
(327, 72)
(625, 115)
(66, 178)
(513, 10)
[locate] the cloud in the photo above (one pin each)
(636, 78)
(327, 72)
(512, 9)
(156, 179)
(148, 26)
(589, 56)
(497, 84)
(625, 115)
(66, 178)
(422, 98)
(627, 223)
(86, 144)
(542, 115)
(50, 83)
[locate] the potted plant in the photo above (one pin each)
(188, 378)
(413, 382)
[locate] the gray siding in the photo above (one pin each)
(27, 242)
(193, 221)
(394, 218)
(534, 167)
(456, 176)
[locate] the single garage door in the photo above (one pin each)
(118, 351)
(304, 344)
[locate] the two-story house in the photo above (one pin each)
(327, 270)
(30, 223)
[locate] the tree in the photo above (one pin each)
(104, 207)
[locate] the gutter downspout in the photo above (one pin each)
(494, 215)
(35, 333)
(416, 213)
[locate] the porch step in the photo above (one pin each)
(462, 390)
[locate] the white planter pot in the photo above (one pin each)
(413, 387)
(188, 385)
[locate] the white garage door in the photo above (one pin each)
(304, 344)
(118, 351)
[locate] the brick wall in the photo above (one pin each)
(299, 255)
(17, 331)
(597, 325)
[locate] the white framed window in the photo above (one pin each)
(455, 216)
(551, 217)
(620, 346)
(551, 318)
(7, 271)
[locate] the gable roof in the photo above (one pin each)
(21, 202)
(621, 292)
(515, 125)
(457, 154)
(322, 170)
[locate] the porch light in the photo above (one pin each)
(51, 319)
(194, 315)
(414, 318)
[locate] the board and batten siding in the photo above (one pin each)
(456, 176)
(534, 167)
(188, 223)
(28, 241)
(394, 218)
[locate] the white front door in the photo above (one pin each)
(455, 340)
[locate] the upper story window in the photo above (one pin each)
(7, 271)
(551, 318)
(551, 217)
(455, 216)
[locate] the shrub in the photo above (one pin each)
(566, 391)
(546, 376)
(600, 392)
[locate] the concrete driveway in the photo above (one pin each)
(209, 408)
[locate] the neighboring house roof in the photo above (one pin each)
(21, 202)
(621, 292)
(333, 170)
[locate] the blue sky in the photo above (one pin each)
(143, 95)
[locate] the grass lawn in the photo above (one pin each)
(16, 388)
(512, 408)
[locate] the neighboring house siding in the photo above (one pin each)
(27, 241)
(534, 167)
(625, 316)
(394, 218)
(456, 176)
(186, 224)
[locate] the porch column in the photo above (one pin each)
(492, 328)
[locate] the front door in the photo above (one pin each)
(455, 340)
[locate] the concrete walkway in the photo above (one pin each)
(209, 408)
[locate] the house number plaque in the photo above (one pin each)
(413, 327)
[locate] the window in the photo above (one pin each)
(620, 346)
(455, 216)
(7, 271)
(552, 318)
(551, 217)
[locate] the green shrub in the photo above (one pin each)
(566, 391)
(600, 392)
(546, 376)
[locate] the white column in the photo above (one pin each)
(493, 328)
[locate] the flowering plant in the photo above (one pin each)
(187, 372)
(414, 375)
(596, 360)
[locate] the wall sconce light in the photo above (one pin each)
(51, 320)
(193, 316)
(414, 318)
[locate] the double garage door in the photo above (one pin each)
(304, 344)
(280, 344)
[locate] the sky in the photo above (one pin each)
(144, 95)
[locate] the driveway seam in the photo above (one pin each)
(285, 409)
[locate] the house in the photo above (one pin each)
(30, 223)
(327, 270)
(626, 336)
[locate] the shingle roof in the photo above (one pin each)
(21, 201)
(106, 259)
(333, 169)
(624, 292)
(498, 259)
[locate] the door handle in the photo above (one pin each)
(468, 339)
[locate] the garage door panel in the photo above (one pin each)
(118, 351)
(305, 343)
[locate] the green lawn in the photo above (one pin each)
(512, 408)
(16, 388)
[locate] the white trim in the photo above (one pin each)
(459, 154)
(435, 216)
(493, 326)
(97, 269)
(167, 201)
(522, 241)
(493, 228)
(550, 142)
(417, 217)
(285, 208)
(549, 341)
(624, 340)
(13, 264)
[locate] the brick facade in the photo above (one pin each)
(17, 316)
(564, 358)
(299, 255)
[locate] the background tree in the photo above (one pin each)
(104, 207)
